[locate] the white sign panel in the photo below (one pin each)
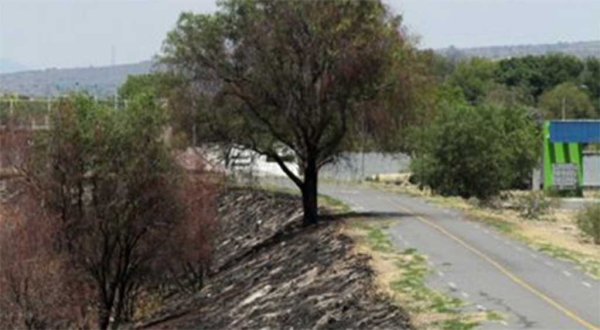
(565, 176)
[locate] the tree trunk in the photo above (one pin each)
(103, 318)
(104, 312)
(309, 194)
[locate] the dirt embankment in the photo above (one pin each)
(271, 273)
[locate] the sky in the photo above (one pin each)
(42, 34)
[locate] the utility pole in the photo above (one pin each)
(112, 55)
(49, 109)
(362, 153)
(112, 63)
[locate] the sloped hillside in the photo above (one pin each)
(271, 273)
(98, 81)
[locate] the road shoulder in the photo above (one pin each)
(554, 234)
(402, 275)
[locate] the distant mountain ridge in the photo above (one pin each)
(580, 49)
(9, 66)
(98, 81)
(104, 81)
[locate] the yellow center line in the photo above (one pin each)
(506, 272)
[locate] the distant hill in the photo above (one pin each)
(104, 81)
(99, 81)
(8, 66)
(581, 49)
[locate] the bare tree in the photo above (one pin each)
(37, 288)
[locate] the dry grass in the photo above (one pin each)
(562, 231)
(381, 262)
(592, 194)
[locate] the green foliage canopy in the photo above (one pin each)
(567, 100)
(475, 78)
(539, 73)
(475, 151)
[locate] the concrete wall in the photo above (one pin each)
(350, 166)
(591, 170)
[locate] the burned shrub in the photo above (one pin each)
(126, 217)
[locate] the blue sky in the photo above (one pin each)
(75, 33)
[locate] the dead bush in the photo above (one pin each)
(38, 290)
(533, 205)
(588, 221)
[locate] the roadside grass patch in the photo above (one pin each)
(494, 220)
(402, 276)
(414, 270)
(587, 264)
(332, 204)
(378, 240)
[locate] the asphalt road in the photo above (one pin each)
(482, 267)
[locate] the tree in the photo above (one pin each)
(475, 78)
(506, 96)
(475, 151)
(567, 101)
(560, 68)
(288, 75)
(590, 80)
(150, 83)
(538, 74)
